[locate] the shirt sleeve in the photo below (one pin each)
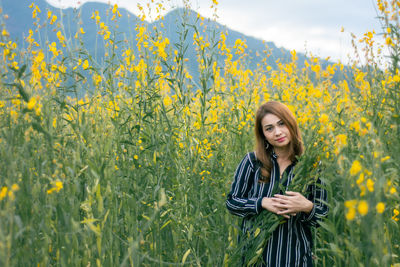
(319, 196)
(238, 202)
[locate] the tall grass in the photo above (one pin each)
(135, 172)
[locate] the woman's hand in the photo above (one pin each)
(271, 204)
(291, 203)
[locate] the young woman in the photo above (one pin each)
(278, 142)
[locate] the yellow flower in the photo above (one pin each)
(393, 190)
(324, 119)
(385, 158)
(15, 187)
(360, 179)
(363, 189)
(362, 207)
(380, 207)
(32, 103)
(136, 157)
(396, 212)
(341, 140)
(85, 64)
(370, 185)
(53, 19)
(58, 185)
(350, 203)
(355, 168)
(351, 213)
(3, 192)
(167, 101)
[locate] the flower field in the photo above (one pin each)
(127, 161)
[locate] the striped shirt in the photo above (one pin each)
(291, 242)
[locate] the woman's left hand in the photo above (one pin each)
(292, 203)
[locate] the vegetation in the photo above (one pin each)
(136, 172)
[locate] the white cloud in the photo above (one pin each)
(308, 24)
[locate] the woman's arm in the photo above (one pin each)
(319, 197)
(238, 202)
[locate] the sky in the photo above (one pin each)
(319, 27)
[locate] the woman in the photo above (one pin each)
(278, 142)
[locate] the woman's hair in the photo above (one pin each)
(296, 144)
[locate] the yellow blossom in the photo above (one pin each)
(396, 212)
(167, 101)
(393, 190)
(85, 64)
(341, 140)
(360, 179)
(58, 185)
(363, 189)
(380, 207)
(15, 187)
(362, 207)
(323, 119)
(370, 185)
(355, 168)
(3, 192)
(32, 103)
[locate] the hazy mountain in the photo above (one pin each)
(20, 20)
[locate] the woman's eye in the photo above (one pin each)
(268, 129)
(281, 123)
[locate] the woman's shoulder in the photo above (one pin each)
(251, 159)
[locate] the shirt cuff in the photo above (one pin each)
(308, 217)
(258, 205)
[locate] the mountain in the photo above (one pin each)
(20, 20)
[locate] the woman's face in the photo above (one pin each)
(275, 131)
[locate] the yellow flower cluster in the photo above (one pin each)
(57, 186)
(4, 192)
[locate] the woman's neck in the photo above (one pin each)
(282, 153)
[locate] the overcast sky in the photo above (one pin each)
(304, 25)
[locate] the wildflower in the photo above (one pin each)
(393, 190)
(167, 101)
(363, 189)
(3, 192)
(323, 119)
(341, 140)
(396, 212)
(351, 213)
(355, 168)
(4, 33)
(32, 103)
(136, 157)
(389, 41)
(385, 158)
(362, 207)
(360, 179)
(85, 64)
(58, 185)
(370, 185)
(15, 187)
(53, 19)
(380, 207)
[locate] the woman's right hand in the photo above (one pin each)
(270, 205)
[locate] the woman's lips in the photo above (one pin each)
(280, 140)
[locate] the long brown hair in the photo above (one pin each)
(295, 146)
